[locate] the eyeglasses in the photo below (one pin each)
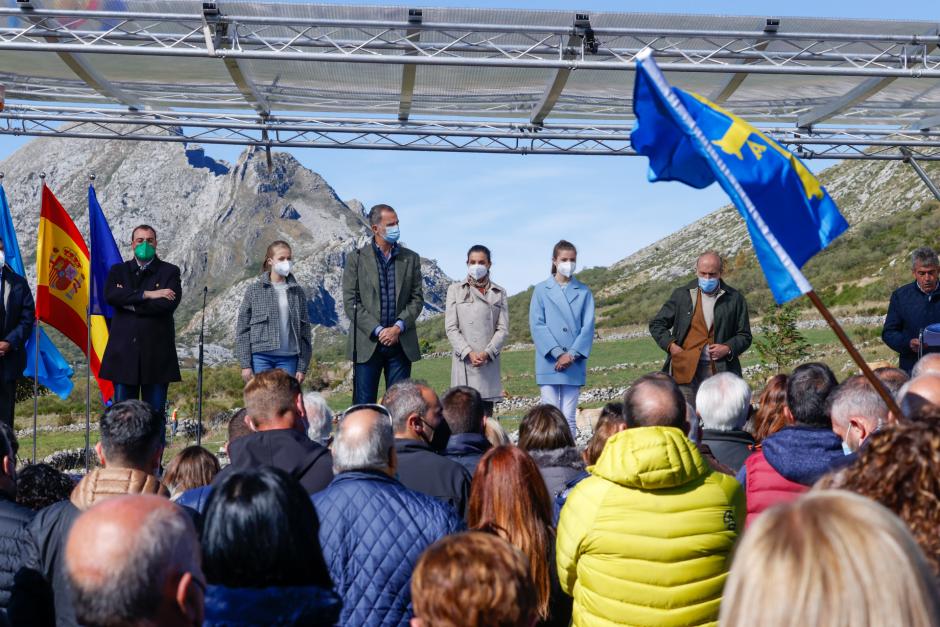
(382, 409)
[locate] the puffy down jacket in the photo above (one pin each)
(647, 538)
(372, 531)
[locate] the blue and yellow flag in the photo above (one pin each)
(54, 372)
(104, 253)
(789, 215)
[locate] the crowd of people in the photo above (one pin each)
(818, 505)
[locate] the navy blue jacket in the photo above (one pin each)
(909, 311)
(372, 531)
(801, 454)
(467, 448)
(308, 606)
(20, 314)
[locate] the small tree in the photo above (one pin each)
(781, 345)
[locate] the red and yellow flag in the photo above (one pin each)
(62, 279)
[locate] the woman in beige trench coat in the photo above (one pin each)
(476, 319)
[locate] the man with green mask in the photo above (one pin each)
(140, 358)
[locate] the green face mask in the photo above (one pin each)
(144, 251)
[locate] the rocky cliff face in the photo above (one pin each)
(213, 219)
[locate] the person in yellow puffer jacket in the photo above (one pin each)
(647, 538)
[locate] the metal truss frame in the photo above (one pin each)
(855, 125)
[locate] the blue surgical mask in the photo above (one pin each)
(707, 285)
(392, 234)
(846, 449)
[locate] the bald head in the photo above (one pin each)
(918, 393)
(709, 261)
(928, 364)
(364, 441)
(655, 401)
(132, 560)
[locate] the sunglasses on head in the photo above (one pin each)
(373, 406)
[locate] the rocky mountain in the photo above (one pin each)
(213, 219)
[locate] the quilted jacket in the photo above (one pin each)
(647, 538)
(289, 606)
(372, 530)
(13, 520)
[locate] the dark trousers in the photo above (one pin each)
(152, 393)
(689, 390)
(7, 401)
(388, 359)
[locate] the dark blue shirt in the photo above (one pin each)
(386, 269)
(909, 312)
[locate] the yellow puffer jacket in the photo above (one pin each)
(647, 538)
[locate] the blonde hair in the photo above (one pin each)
(494, 432)
(829, 558)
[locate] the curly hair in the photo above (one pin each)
(898, 469)
(41, 485)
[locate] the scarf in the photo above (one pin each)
(482, 285)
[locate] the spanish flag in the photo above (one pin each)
(63, 272)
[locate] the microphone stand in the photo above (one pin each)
(199, 368)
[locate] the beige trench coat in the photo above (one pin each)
(476, 322)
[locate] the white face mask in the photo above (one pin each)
(565, 268)
(283, 267)
(3, 258)
(476, 271)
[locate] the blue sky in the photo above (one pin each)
(520, 206)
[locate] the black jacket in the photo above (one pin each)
(466, 449)
(732, 324)
(558, 466)
(909, 311)
(291, 451)
(730, 448)
(13, 520)
(422, 470)
(142, 341)
(18, 319)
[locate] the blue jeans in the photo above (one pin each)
(152, 393)
(388, 359)
(264, 361)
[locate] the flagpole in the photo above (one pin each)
(42, 178)
(645, 59)
(91, 248)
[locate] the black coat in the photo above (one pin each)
(730, 448)
(909, 311)
(13, 520)
(292, 451)
(466, 449)
(142, 341)
(18, 320)
(422, 470)
(732, 324)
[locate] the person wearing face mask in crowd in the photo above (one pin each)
(383, 292)
(561, 319)
(273, 328)
(476, 319)
(140, 358)
(704, 327)
(17, 313)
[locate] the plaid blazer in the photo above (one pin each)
(258, 329)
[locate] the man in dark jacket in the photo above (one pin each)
(17, 316)
(464, 412)
(912, 308)
(383, 292)
(723, 404)
(372, 528)
(791, 460)
(141, 354)
(275, 414)
(13, 517)
(704, 327)
(133, 435)
(420, 439)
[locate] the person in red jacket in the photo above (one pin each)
(794, 458)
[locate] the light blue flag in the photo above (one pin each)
(54, 372)
(789, 215)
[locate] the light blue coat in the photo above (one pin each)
(561, 321)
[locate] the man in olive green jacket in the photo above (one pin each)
(384, 279)
(728, 320)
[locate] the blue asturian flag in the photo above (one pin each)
(54, 372)
(104, 253)
(788, 213)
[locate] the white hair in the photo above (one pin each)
(363, 449)
(723, 401)
(319, 417)
(928, 364)
(856, 397)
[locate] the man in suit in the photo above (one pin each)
(914, 307)
(383, 279)
(703, 327)
(141, 354)
(17, 316)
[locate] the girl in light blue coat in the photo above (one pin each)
(561, 319)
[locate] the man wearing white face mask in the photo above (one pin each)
(561, 319)
(703, 327)
(476, 319)
(17, 312)
(273, 328)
